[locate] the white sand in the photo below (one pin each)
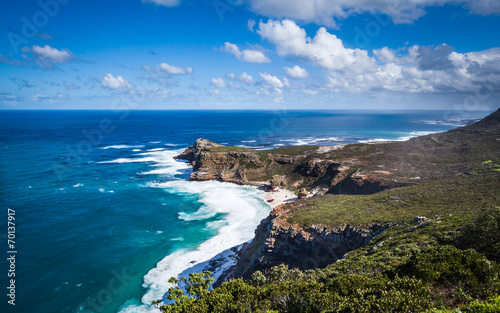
(280, 196)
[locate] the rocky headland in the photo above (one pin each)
(324, 225)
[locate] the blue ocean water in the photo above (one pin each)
(104, 215)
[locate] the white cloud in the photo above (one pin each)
(327, 12)
(296, 72)
(219, 82)
(174, 70)
(425, 70)
(248, 55)
(46, 98)
(116, 83)
(246, 78)
(47, 56)
(415, 69)
(271, 80)
(325, 49)
(310, 92)
(52, 54)
(166, 3)
(251, 25)
(385, 55)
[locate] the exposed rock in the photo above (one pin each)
(284, 159)
(279, 242)
(419, 219)
(201, 144)
(302, 193)
(278, 181)
(317, 167)
(191, 153)
(187, 155)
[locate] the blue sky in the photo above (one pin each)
(250, 54)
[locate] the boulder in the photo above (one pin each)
(303, 193)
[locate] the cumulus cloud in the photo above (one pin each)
(219, 82)
(296, 72)
(248, 55)
(271, 80)
(116, 83)
(426, 70)
(166, 3)
(46, 57)
(246, 78)
(174, 70)
(328, 12)
(325, 49)
(414, 69)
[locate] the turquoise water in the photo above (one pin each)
(104, 215)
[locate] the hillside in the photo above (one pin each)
(393, 227)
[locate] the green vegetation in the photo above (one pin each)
(445, 261)
(461, 195)
(438, 265)
(439, 278)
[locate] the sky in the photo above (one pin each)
(250, 54)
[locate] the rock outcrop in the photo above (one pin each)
(279, 242)
(192, 153)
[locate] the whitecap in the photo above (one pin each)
(122, 147)
(242, 209)
(161, 160)
(78, 185)
(406, 137)
(311, 140)
(157, 149)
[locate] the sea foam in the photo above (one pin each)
(242, 208)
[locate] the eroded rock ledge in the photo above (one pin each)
(303, 169)
(279, 242)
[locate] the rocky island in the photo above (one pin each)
(408, 226)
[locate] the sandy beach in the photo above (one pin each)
(280, 196)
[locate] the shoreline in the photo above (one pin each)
(279, 196)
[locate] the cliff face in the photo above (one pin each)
(279, 242)
(305, 168)
(244, 166)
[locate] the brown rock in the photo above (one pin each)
(303, 193)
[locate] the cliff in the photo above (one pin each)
(317, 231)
(277, 241)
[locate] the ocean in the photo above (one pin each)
(104, 216)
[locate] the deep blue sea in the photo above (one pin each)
(104, 215)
